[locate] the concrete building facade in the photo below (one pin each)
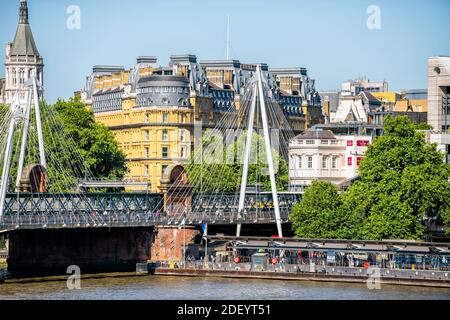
(321, 155)
(439, 103)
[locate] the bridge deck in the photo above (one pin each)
(94, 210)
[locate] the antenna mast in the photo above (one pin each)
(228, 38)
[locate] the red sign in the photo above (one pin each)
(349, 143)
(349, 161)
(362, 143)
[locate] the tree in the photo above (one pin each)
(96, 143)
(321, 214)
(75, 145)
(227, 163)
(403, 182)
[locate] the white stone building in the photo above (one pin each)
(320, 155)
(22, 60)
(439, 103)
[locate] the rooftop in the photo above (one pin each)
(311, 134)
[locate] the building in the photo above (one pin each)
(439, 103)
(439, 93)
(22, 61)
(153, 110)
(352, 128)
(330, 101)
(2, 90)
(355, 108)
(321, 155)
(355, 87)
(412, 104)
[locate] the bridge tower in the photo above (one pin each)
(21, 114)
(258, 92)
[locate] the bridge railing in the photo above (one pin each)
(27, 210)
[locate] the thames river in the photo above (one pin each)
(115, 287)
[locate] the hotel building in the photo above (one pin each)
(153, 110)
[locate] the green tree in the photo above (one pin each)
(96, 143)
(75, 145)
(403, 181)
(227, 163)
(322, 214)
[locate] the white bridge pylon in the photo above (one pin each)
(21, 114)
(258, 93)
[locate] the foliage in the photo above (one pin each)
(403, 181)
(227, 163)
(97, 144)
(75, 145)
(321, 214)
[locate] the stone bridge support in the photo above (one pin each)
(169, 242)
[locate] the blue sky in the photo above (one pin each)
(329, 38)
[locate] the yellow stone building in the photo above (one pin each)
(153, 110)
(403, 102)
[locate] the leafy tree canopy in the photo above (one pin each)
(321, 214)
(226, 162)
(403, 181)
(75, 145)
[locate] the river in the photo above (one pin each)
(129, 287)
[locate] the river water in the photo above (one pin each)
(129, 287)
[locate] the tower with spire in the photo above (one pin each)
(22, 60)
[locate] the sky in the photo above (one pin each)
(329, 38)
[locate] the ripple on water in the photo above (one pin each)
(179, 288)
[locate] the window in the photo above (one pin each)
(183, 152)
(349, 161)
(324, 162)
(324, 141)
(147, 152)
(163, 169)
(146, 171)
(299, 162)
(165, 135)
(146, 118)
(183, 118)
(334, 163)
(165, 117)
(182, 135)
(310, 162)
(309, 141)
(165, 152)
(147, 135)
(334, 142)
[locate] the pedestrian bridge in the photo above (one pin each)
(96, 210)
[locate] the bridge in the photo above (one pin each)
(55, 213)
(112, 210)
